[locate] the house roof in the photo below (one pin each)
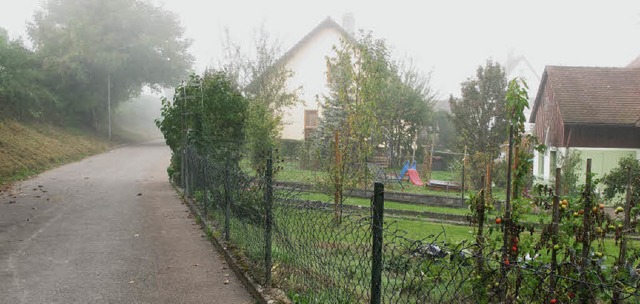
(593, 95)
(327, 23)
(634, 64)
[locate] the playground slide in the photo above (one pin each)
(404, 170)
(414, 177)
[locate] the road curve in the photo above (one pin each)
(108, 229)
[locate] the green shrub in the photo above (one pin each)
(290, 148)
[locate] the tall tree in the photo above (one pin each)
(263, 80)
(359, 74)
(480, 115)
(22, 91)
(406, 110)
(372, 101)
(447, 134)
(84, 43)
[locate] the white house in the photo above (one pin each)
(519, 66)
(307, 60)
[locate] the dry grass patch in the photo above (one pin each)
(28, 149)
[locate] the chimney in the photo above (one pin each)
(349, 23)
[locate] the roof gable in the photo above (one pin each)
(327, 23)
(634, 64)
(593, 95)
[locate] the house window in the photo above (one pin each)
(553, 159)
(310, 122)
(540, 164)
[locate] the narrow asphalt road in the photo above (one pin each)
(108, 229)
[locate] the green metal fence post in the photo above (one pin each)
(227, 204)
(268, 202)
(205, 189)
(585, 297)
(187, 173)
(377, 228)
(554, 232)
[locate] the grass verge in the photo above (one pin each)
(28, 149)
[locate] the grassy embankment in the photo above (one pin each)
(28, 149)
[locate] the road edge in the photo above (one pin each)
(255, 289)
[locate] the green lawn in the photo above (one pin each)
(421, 228)
(416, 228)
(443, 176)
(391, 205)
(354, 201)
(291, 172)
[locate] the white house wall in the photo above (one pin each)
(309, 66)
(524, 71)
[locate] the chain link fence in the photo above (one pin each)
(319, 254)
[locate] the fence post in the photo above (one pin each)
(464, 161)
(187, 174)
(227, 203)
(554, 232)
(506, 240)
(268, 202)
(205, 189)
(191, 177)
(337, 197)
(376, 231)
(183, 168)
(480, 202)
(622, 258)
(586, 236)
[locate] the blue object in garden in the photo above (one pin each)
(404, 170)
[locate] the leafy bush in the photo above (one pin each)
(290, 148)
(208, 113)
(569, 164)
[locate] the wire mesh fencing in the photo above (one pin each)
(318, 252)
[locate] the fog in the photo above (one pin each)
(448, 38)
(135, 120)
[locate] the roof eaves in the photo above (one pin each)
(594, 124)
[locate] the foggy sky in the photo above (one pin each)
(448, 38)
